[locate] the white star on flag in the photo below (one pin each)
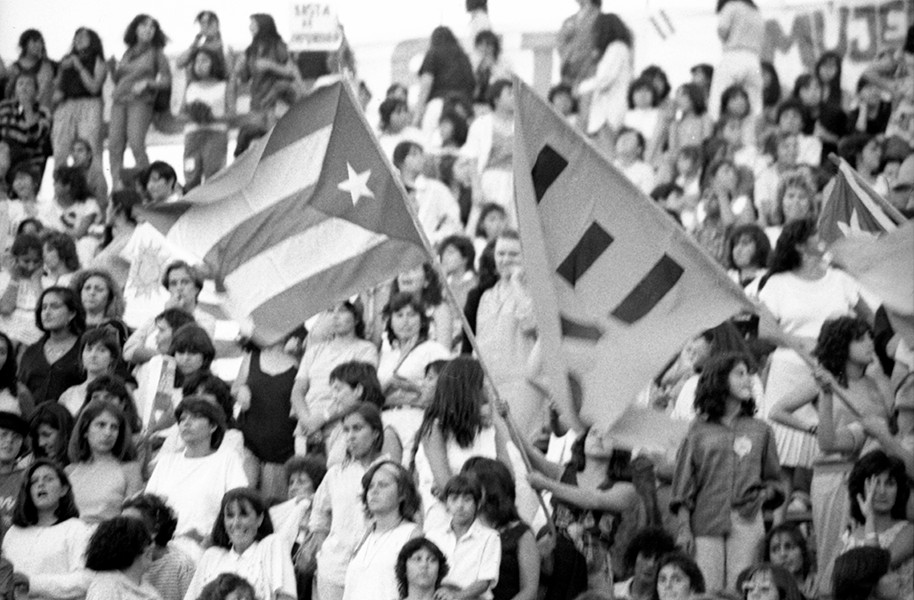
(853, 229)
(356, 185)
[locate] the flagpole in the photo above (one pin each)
(452, 301)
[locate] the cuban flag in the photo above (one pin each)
(311, 214)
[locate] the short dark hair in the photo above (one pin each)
(104, 337)
(314, 468)
(785, 256)
(463, 245)
(402, 150)
(498, 493)
(25, 243)
(354, 373)
(642, 83)
(388, 107)
(75, 179)
(198, 406)
(484, 210)
(123, 449)
(410, 503)
(175, 318)
(204, 382)
(399, 301)
(65, 246)
(194, 339)
(407, 551)
(873, 463)
(790, 104)
(25, 514)
(240, 496)
(759, 238)
(696, 97)
(651, 542)
(495, 90)
(463, 485)
(687, 565)
(71, 301)
(487, 36)
(159, 518)
(857, 572)
(116, 544)
(180, 264)
(28, 36)
(226, 583)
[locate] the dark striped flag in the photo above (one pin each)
(308, 216)
(853, 208)
(617, 286)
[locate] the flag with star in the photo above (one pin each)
(617, 285)
(853, 208)
(311, 214)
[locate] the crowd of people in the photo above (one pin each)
(380, 451)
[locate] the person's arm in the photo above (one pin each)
(539, 462)
(299, 392)
(878, 428)
(435, 448)
(133, 473)
(619, 498)
(9, 297)
(528, 563)
(163, 72)
(322, 510)
(830, 437)
(426, 80)
(683, 491)
(783, 413)
(278, 569)
(240, 389)
(135, 349)
(902, 547)
(392, 446)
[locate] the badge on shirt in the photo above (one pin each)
(742, 445)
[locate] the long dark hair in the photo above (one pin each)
(785, 256)
(265, 38)
(431, 294)
(356, 373)
(714, 387)
(400, 301)
(94, 51)
(77, 324)
(833, 87)
(130, 37)
(57, 417)
(457, 402)
(241, 496)
(833, 346)
(609, 28)
(8, 379)
(25, 513)
(791, 530)
(498, 503)
(722, 3)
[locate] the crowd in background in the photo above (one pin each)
(378, 452)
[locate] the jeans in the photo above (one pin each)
(129, 123)
(205, 152)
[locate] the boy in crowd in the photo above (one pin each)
(473, 550)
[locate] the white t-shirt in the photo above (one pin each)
(266, 564)
(801, 306)
(194, 487)
(370, 575)
(51, 557)
(474, 557)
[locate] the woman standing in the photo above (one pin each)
(33, 60)
(119, 554)
(140, 75)
(391, 502)
(103, 470)
(51, 365)
(401, 370)
(243, 543)
(741, 30)
(802, 292)
(267, 66)
(608, 88)
(722, 522)
(337, 515)
(208, 105)
(445, 72)
(48, 540)
(490, 145)
(78, 96)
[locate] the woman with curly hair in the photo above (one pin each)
(391, 504)
(878, 490)
(120, 553)
(678, 578)
(845, 352)
(722, 522)
(864, 574)
(748, 249)
(420, 568)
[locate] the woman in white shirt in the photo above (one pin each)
(194, 481)
(391, 501)
(244, 544)
(48, 540)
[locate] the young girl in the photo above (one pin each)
(643, 114)
(692, 125)
(266, 64)
(99, 355)
(207, 104)
(103, 469)
(21, 287)
(50, 428)
(61, 261)
(78, 211)
(726, 468)
(747, 253)
(734, 104)
(21, 205)
(193, 351)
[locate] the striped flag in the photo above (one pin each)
(853, 208)
(617, 286)
(309, 215)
